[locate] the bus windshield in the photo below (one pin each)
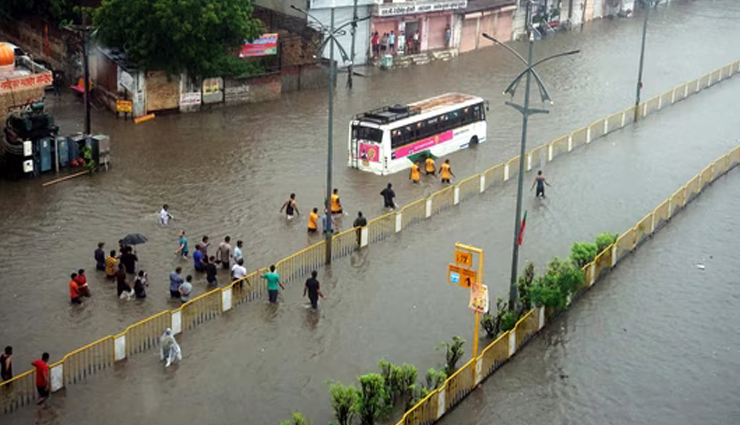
(367, 134)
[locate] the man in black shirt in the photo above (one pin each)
(129, 259)
(388, 195)
(211, 271)
(359, 223)
(100, 257)
(312, 288)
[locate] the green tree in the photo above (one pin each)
(344, 402)
(371, 402)
(200, 37)
(552, 290)
(53, 10)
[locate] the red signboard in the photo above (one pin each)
(264, 46)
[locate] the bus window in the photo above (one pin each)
(367, 133)
(476, 113)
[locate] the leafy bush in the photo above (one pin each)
(407, 383)
(604, 240)
(296, 419)
(508, 321)
(435, 379)
(372, 396)
(344, 402)
(582, 253)
(524, 284)
(454, 353)
(553, 289)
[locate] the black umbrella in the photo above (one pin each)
(134, 239)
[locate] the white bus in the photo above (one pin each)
(389, 139)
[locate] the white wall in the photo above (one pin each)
(342, 16)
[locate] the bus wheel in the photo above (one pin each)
(474, 141)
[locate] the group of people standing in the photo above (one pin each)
(383, 45)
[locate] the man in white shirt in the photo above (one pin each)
(164, 215)
(238, 272)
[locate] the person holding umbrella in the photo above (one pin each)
(128, 256)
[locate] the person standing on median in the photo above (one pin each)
(273, 281)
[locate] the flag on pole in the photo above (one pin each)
(521, 229)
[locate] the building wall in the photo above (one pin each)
(497, 23)
(162, 93)
(252, 90)
(304, 77)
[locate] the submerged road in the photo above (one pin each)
(260, 362)
(655, 342)
(227, 171)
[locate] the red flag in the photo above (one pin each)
(521, 229)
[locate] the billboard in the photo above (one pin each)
(266, 45)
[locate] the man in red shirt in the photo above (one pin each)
(43, 383)
(74, 290)
(82, 283)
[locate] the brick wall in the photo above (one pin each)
(252, 90)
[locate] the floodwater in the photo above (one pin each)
(653, 343)
(227, 172)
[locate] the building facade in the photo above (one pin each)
(492, 17)
(343, 14)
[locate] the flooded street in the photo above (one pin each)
(653, 343)
(227, 172)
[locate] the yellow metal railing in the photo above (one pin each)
(527, 327)
(443, 199)
(469, 187)
(559, 146)
(413, 212)
(144, 335)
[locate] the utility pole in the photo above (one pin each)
(331, 41)
(87, 80)
(642, 61)
(329, 148)
(526, 111)
(351, 69)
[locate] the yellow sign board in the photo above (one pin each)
(123, 105)
(479, 299)
(463, 258)
(461, 276)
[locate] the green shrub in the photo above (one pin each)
(435, 379)
(524, 284)
(371, 400)
(454, 353)
(604, 240)
(408, 383)
(582, 253)
(344, 402)
(508, 321)
(296, 419)
(552, 290)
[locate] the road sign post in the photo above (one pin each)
(462, 274)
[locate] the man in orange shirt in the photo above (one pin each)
(74, 290)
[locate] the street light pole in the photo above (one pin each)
(526, 111)
(351, 68)
(642, 61)
(520, 184)
(87, 81)
(329, 148)
(331, 41)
